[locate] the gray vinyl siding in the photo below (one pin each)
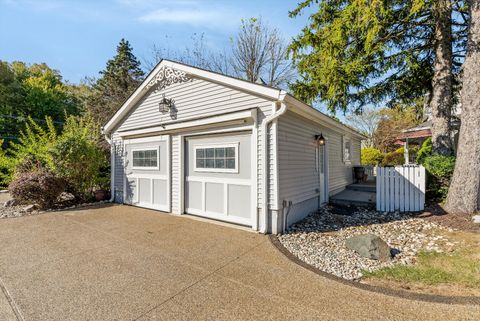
(298, 178)
(194, 99)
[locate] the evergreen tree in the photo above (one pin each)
(355, 53)
(120, 78)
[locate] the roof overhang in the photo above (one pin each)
(313, 114)
(166, 68)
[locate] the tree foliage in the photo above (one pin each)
(354, 53)
(121, 77)
(371, 156)
(392, 122)
(33, 91)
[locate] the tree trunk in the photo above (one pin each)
(441, 103)
(464, 192)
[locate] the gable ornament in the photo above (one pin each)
(167, 76)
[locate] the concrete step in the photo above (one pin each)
(363, 187)
(350, 197)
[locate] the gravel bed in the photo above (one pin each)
(319, 239)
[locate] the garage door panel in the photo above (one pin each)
(219, 191)
(194, 195)
(147, 167)
(214, 197)
(239, 198)
(144, 190)
(160, 192)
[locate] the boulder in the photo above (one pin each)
(369, 246)
(476, 219)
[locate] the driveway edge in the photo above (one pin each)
(11, 302)
(462, 300)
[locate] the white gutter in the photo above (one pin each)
(275, 114)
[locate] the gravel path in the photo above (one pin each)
(319, 239)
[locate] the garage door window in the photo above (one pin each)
(145, 159)
(217, 158)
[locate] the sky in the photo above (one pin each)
(78, 37)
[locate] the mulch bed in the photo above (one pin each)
(459, 221)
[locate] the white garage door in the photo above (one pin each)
(147, 182)
(218, 177)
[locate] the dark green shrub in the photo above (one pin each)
(371, 156)
(425, 150)
(440, 170)
(41, 187)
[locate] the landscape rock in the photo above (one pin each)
(369, 246)
(319, 239)
(30, 208)
(476, 219)
(66, 197)
(10, 203)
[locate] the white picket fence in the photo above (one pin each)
(401, 188)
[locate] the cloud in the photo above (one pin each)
(186, 12)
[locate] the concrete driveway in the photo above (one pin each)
(126, 263)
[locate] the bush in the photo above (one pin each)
(6, 168)
(79, 157)
(425, 151)
(371, 156)
(41, 187)
(440, 170)
(394, 158)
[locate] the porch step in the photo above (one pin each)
(349, 197)
(362, 187)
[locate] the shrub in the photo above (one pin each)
(6, 168)
(371, 156)
(40, 186)
(79, 157)
(425, 151)
(394, 158)
(440, 170)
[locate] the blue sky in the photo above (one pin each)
(78, 37)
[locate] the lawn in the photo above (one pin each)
(454, 273)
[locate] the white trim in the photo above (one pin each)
(149, 176)
(254, 172)
(169, 174)
(225, 119)
(220, 180)
(317, 116)
(216, 170)
(219, 216)
(149, 139)
(181, 182)
(147, 148)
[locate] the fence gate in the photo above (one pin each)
(401, 188)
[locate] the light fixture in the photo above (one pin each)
(165, 105)
(320, 139)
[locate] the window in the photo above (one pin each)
(145, 159)
(347, 155)
(217, 158)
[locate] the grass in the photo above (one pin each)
(460, 268)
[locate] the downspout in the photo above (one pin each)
(112, 168)
(266, 121)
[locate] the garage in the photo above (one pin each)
(218, 177)
(147, 168)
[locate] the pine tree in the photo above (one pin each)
(120, 78)
(355, 53)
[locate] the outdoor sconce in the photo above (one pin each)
(320, 139)
(165, 105)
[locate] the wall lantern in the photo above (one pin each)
(320, 139)
(165, 105)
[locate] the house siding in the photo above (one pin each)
(298, 176)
